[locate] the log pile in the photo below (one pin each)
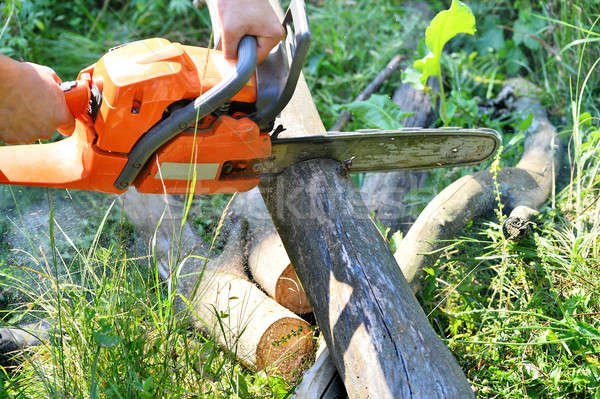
(222, 301)
(362, 303)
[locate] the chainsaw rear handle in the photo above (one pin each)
(187, 116)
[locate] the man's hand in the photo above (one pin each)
(237, 18)
(32, 105)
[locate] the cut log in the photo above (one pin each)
(282, 285)
(524, 189)
(238, 315)
(259, 331)
(267, 260)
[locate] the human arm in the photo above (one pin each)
(236, 18)
(32, 104)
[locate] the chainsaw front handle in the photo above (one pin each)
(189, 115)
(278, 75)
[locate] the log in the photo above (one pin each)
(363, 305)
(224, 303)
(524, 189)
(321, 380)
(268, 262)
(15, 340)
(259, 331)
(282, 284)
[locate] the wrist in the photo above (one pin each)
(9, 73)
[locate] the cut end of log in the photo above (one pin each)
(517, 228)
(289, 292)
(271, 268)
(286, 347)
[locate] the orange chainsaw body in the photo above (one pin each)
(139, 83)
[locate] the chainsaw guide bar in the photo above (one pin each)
(386, 150)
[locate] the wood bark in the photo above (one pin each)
(224, 303)
(524, 189)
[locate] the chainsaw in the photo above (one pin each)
(171, 118)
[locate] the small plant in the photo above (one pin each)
(443, 27)
(494, 170)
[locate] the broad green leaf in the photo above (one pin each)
(378, 112)
(444, 26)
(428, 66)
(491, 36)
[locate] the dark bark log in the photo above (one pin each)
(377, 334)
(14, 340)
(380, 339)
(524, 189)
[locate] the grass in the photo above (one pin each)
(521, 318)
